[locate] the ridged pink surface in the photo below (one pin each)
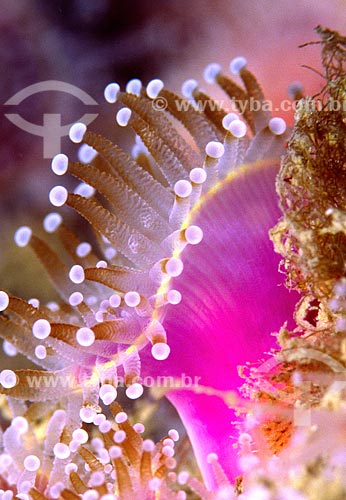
(233, 298)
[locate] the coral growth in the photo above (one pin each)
(301, 392)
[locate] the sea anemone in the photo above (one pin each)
(180, 282)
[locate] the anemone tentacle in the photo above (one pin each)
(184, 230)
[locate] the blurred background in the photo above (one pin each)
(90, 43)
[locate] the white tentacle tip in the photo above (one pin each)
(51, 222)
(215, 149)
(211, 71)
(227, 119)
(182, 188)
(111, 92)
(76, 274)
(237, 128)
(58, 196)
(193, 235)
(134, 86)
(237, 64)
(154, 87)
(123, 116)
(277, 126)
(59, 164)
(77, 132)
(22, 236)
(188, 87)
(134, 391)
(4, 300)
(160, 351)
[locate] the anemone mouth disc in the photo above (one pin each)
(231, 275)
(233, 298)
(246, 175)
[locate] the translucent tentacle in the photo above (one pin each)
(71, 354)
(90, 459)
(134, 245)
(239, 96)
(211, 108)
(235, 150)
(145, 467)
(69, 495)
(56, 270)
(77, 483)
(37, 495)
(170, 165)
(201, 129)
(17, 407)
(28, 382)
(123, 479)
(13, 445)
(265, 145)
(261, 116)
(26, 311)
(65, 333)
(179, 212)
(54, 429)
(211, 167)
(22, 339)
(146, 161)
(132, 173)
(128, 205)
(121, 279)
(71, 242)
(132, 366)
(57, 473)
(122, 331)
(200, 489)
(144, 108)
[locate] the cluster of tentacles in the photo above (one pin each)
(145, 209)
(110, 460)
